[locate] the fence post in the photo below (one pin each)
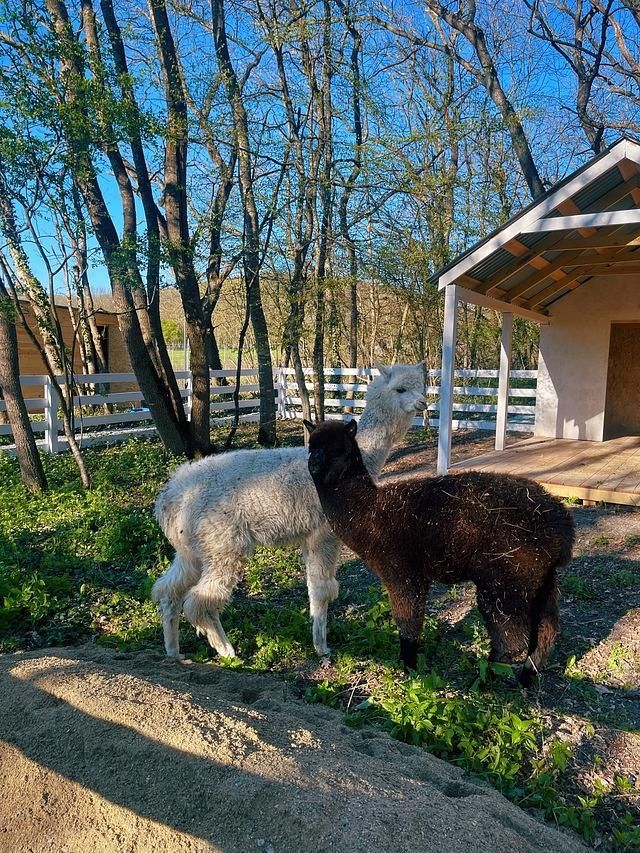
(50, 417)
(188, 385)
(281, 384)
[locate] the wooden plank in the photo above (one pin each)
(602, 219)
(516, 248)
(629, 170)
(569, 206)
(610, 240)
(597, 495)
(628, 268)
(491, 286)
(570, 280)
(529, 283)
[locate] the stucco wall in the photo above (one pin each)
(574, 354)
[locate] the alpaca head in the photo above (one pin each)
(333, 451)
(398, 390)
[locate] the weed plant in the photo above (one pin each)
(78, 566)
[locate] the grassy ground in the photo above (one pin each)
(78, 567)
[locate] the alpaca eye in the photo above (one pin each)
(401, 390)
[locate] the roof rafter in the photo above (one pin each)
(585, 220)
(569, 281)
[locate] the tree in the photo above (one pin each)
(251, 258)
(31, 469)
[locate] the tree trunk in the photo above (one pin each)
(180, 251)
(488, 74)
(167, 411)
(251, 253)
(31, 469)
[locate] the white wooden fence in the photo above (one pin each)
(103, 415)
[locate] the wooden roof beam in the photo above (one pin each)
(516, 248)
(570, 280)
(629, 171)
(498, 305)
(628, 268)
(492, 286)
(518, 225)
(568, 207)
(585, 220)
(555, 269)
(602, 240)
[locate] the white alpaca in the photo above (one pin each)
(217, 510)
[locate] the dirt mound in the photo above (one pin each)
(135, 753)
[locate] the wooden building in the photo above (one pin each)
(570, 262)
(107, 322)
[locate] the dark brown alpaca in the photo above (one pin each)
(506, 534)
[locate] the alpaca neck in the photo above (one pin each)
(353, 495)
(349, 506)
(378, 432)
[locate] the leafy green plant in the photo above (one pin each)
(626, 833)
(626, 577)
(577, 587)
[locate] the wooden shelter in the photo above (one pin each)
(570, 262)
(107, 321)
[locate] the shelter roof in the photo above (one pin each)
(587, 224)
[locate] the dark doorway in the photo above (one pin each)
(622, 406)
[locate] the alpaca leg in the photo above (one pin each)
(168, 592)
(320, 555)
(546, 619)
(507, 616)
(407, 608)
(208, 597)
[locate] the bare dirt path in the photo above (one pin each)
(109, 752)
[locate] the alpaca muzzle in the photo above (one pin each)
(420, 404)
(316, 462)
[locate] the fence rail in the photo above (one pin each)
(103, 415)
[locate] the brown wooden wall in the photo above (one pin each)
(117, 356)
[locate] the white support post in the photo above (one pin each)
(50, 417)
(503, 381)
(447, 376)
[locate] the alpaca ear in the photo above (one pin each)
(352, 428)
(309, 426)
(384, 371)
(422, 362)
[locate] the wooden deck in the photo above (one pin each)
(593, 471)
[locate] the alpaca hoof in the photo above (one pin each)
(323, 651)
(528, 677)
(175, 655)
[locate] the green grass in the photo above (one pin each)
(78, 566)
(576, 587)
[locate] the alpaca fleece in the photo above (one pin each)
(217, 510)
(504, 533)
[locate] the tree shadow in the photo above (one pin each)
(237, 775)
